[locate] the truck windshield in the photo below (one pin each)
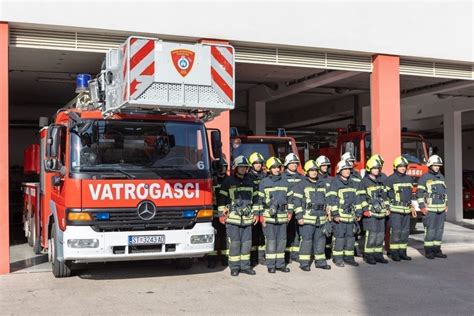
(266, 147)
(166, 149)
(412, 149)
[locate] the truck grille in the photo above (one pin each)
(128, 220)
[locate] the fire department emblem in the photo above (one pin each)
(183, 60)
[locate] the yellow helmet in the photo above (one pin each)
(273, 162)
(310, 165)
(256, 157)
(372, 163)
(399, 162)
(378, 157)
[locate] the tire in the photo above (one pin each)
(184, 263)
(60, 269)
(36, 237)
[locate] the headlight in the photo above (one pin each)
(202, 239)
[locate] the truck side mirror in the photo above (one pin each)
(430, 151)
(349, 148)
(216, 165)
(51, 162)
(216, 144)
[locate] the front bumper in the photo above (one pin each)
(177, 244)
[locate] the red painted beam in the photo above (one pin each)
(4, 203)
(385, 108)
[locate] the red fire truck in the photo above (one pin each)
(125, 171)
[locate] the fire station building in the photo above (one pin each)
(309, 68)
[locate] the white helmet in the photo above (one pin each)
(343, 164)
(435, 160)
(348, 156)
(291, 158)
(322, 161)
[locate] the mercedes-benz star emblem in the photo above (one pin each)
(146, 210)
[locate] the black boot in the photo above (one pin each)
(249, 271)
(350, 261)
(429, 253)
(324, 267)
(284, 269)
(305, 268)
(271, 270)
(394, 254)
(338, 263)
(438, 253)
(403, 255)
(379, 258)
(370, 259)
(234, 272)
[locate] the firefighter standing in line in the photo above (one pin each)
(374, 208)
(399, 190)
(356, 178)
(293, 177)
(239, 211)
(323, 164)
(256, 174)
(432, 197)
(311, 215)
(346, 211)
(220, 241)
(276, 207)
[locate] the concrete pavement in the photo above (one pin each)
(421, 287)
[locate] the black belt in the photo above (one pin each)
(438, 196)
(396, 203)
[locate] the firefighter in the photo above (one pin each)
(220, 241)
(399, 190)
(374, 208)
(276, 207)
(346, 212)
(356, 178)
(432, 198)
(293, 177)
(238, 210)
(256, 174)
(323, 164)
(310, 212)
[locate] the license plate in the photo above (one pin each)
(146, 240)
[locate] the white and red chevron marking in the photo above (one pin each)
(142, 65)
(222, 72)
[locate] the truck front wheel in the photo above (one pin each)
(61, 269)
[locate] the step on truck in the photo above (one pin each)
(125, 171)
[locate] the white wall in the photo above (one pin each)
(432, 29)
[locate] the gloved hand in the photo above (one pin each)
(446, 209)
(413, 212)
(358, 218)
(222, 219)
(301, 222)
(255, 219)
(337, 219)
(424, 210)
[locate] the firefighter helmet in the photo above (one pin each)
(343, 164)
(310, 165)
(256, 157)
(400, 161)
(378, 157)
(273, 162)
(348, 156)
(291, 158)
(322, 161)
(240, 161)
(372, 163)
(435, 160)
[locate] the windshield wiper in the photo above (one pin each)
(131, 176)
(174, 169)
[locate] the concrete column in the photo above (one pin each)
(453, 163)
(257, 120)
(4, 202)
(385, 108)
